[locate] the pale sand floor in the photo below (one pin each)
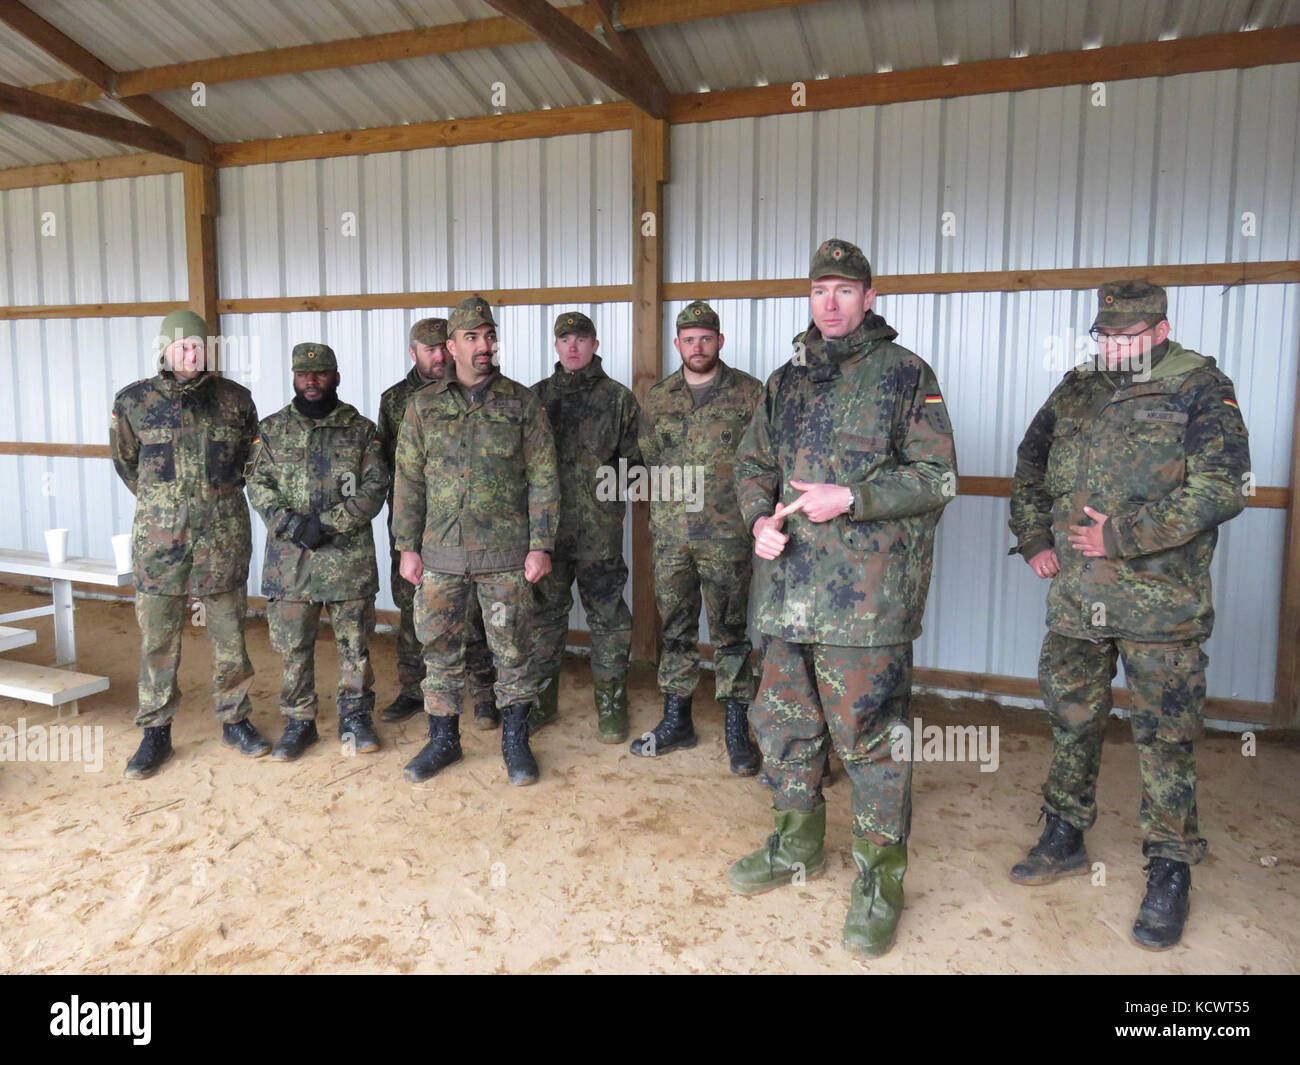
(609, 864)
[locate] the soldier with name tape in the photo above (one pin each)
(474, 514)
(427, 347)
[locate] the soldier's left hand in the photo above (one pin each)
(537, 564)
(819, 502)
(1088, 538)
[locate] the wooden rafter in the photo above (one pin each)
(17, 101)
(389, 47)
(628, 45)
(566, 38)
(195, 146)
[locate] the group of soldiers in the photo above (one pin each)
(823, 489)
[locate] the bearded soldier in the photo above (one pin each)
(692, 425)
(842, 476)
(430, 362)
(318, 478)
(474, 513)
(180, 441)
(594, 420)
(1122, 481)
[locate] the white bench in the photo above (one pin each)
(47, 684)
(11, 638)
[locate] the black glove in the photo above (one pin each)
(305, 530)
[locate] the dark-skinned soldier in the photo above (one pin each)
(318, 478)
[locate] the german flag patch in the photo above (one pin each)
(1232, 403)
(936, 414)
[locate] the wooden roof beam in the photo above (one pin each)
(566, 38)
(18, 101)
(72, 55)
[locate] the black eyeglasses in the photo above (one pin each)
(1123, 340)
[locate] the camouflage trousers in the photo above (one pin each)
(600, 584)
(162, 618)
(1166, 683)
(682, 572)
(410, 654)
(441, 623)
(852, 697)
(294, 625)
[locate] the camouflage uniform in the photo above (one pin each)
(334, 467)
(1165, 459)
(701, 543)
(862, 412)
(476, 489)
(594, 422)
(181, 447)
(410, 658)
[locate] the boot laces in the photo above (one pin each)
(773, 845)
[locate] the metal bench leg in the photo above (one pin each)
(67, 710)
(65, 636)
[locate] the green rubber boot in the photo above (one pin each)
(793, 853)
(876, 901)
(611, 710)
(547, 707)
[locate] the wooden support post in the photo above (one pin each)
(649, 172)
(1286, 682)
(201, 240)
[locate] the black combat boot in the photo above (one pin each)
(740, 748)
(521, 766)
(675, 732)
(1163, 912)
(299, 734)
(357, 724)
(1059, 852)
(155, 748)
(442, 750)
(486, 715)
(244, 737)
(401, 708)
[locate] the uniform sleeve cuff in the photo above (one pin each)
(1110, 539)
(1035, 545)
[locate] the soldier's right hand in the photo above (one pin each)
(411, 567)
(309, 533)
(1045, 563)
(769, 540)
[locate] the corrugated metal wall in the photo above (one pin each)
(1161, 174)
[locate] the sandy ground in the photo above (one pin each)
(609, 864)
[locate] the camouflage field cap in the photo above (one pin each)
(1124, 303)
(574, 322)
(428, 331)
(839, 258)
(311, 356)
(698, 315)
(470, 313)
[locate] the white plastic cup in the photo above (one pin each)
(56, 545)
(122, 552)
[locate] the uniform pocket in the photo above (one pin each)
(857, 456)
(157, 456)
(1156, 461)
(220, 448)
(1063, 458)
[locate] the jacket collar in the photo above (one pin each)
(584, 378)
(723, 380)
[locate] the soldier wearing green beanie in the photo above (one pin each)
(180, 441)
